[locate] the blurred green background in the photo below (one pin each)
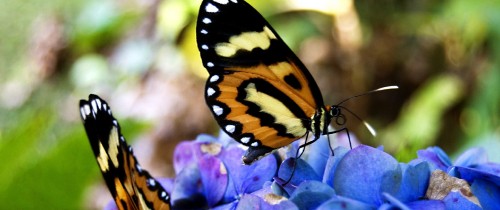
(142, 58)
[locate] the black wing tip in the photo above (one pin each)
(93, 107)
(256, 153)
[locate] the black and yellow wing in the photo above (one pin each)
(131, 186)
(259, 92)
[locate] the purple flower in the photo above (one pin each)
(211, 175)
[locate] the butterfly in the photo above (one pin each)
(131, 186)
(258, 90)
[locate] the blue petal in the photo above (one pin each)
(473, 156)
(427, 204)
(454, 200)
(303, 171)
(331, 164)
(471, 174)
(340, 202)
(311, 194)
(414, 182)
(281, 191)
(492, 168)
(487, 193)
(394, 202)
(318, 154)
(214, 179)
(187, 192)
(359, 174)
(436, 157)
(251, 202)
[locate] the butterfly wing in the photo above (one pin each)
(259, 92)
(131, 186)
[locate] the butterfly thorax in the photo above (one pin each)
(320, 121)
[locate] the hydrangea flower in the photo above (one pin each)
(210, 175)
(472, 166)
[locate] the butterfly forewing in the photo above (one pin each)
(131, 186)
(258, 90)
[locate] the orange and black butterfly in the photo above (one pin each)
(259, 92)
(131, 186)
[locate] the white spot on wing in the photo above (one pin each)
(230, 128)
(139, 168)
(207, 20)
(214, 78)
(94, 105)
(245, 140)
(99, 104)
(210, 91)
(164, 195)
(222, 1)
(203, 31)
(234, 1)
(205, 47)
(255, 144)
(151, 182)
(211, 8)
(115, 123)
(86, 108)
(218, 111)
(210, 64)
(105, 106)
(85, 111)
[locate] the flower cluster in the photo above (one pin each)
(210, 174)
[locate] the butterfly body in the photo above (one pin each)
(131, 186)
(258, 90)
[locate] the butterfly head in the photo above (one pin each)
(334, 112)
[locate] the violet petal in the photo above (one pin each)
(214, 178)
(436, 157)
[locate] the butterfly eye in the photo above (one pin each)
(335, 111)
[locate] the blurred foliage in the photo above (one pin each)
(444, 55)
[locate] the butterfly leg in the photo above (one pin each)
(298, 154)
(340, 130)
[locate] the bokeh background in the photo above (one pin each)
(141, 56)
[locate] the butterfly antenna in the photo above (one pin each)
(392, 87)
(367, 125)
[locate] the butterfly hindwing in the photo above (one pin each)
(259, 92)
(131, 186)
